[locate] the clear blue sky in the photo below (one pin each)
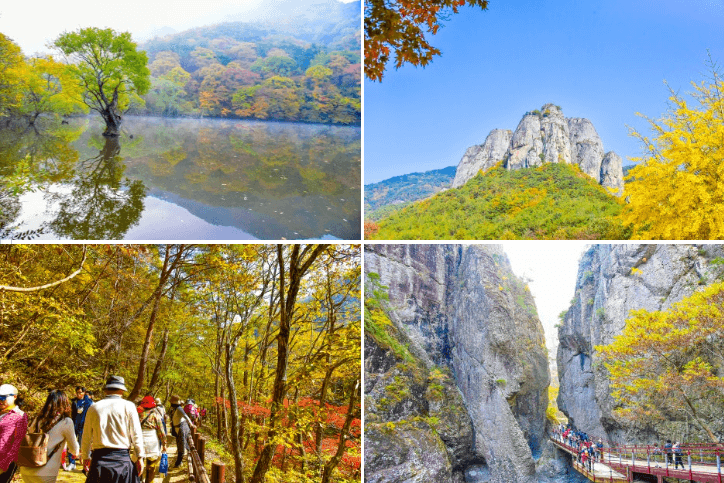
(601, 60)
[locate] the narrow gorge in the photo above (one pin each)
(456, 365)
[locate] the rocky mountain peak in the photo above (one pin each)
(545, 136)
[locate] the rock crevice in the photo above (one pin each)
(478, 335)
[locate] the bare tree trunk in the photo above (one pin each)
(334, 461)
(298, 266)
(111, 115)
(234, 413)
(159, 363)
(166, 270)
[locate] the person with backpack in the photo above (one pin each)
(79, 409)
(182, 424)
(154, 436)
(13, 426)
(162, 413)
(40, 456)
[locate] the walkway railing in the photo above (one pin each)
(196, 460)
(700, 462)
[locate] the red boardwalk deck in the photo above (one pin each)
(621, 463)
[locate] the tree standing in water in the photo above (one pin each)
(109, 68)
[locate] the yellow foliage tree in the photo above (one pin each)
(11, 59)
(677, 192)
(666, 365)
(48, 87)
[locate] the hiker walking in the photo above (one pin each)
(161, 412)
(677, 454)
(154, 437)
(13, 426)
(53, 420)
(667, 450)
(112, 428)
(79, 409)
(181, 422)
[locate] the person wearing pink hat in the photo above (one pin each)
(13, 426)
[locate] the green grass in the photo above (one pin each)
(553, 201)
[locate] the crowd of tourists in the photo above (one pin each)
(671, 454)
(588, 451)
(113, 440)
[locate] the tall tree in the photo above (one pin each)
(667, 365)
(398, 27)
(110, 69)
(292, 269)
(676, 191)
(47, 86)
(11, 58)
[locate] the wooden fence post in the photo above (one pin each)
(217, 472)
(202, 449)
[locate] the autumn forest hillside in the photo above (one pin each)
(301, 68)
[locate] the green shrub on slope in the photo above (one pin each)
(553, 201)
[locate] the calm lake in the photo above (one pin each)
(181, 179)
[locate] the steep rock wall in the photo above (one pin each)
(459, 311)
(613, 280)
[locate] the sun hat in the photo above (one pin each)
(8, 390)
(148, 402)
(115, 382)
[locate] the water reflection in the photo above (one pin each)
(101, 203)
(180, 179)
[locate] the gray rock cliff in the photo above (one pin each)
(483, 156)
(477, 361)
(613, 280)
(611, 172)
(545, 136)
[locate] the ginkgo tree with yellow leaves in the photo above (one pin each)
(667, 365)
(47, 86)
(677, 190)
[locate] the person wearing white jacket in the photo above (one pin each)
(54, 419)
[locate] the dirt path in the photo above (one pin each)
(175, 475)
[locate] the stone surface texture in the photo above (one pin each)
(607, 289)
(473, 330)
(611, 172)
(545, 136)
(482, 157)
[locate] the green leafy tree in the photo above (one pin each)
(398, 27)
(274, 66)
(666, 365)
(110, 69)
